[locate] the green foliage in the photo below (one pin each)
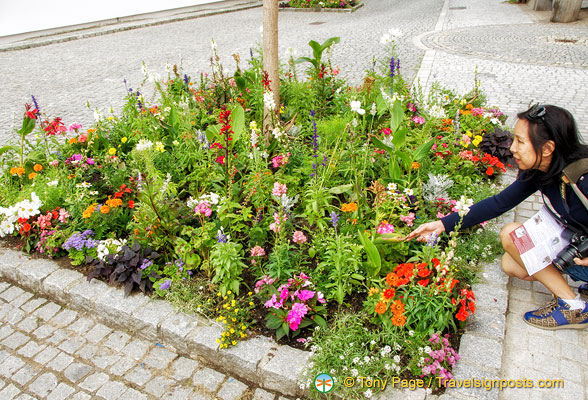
(226, 259)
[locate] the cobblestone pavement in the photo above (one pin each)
(52, 352)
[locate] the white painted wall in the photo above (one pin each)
(19, 16)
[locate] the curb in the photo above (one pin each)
(258, 361)
(121, 24)
(320, 9)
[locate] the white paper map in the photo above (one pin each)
(539, 240)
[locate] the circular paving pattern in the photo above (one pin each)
(538, 44)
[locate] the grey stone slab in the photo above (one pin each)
(44, 384)
(112, 306)
(72, 345)
(132, 394)
(136, 348)
(83, 294)
(76, 371)
(117, 340)
(208, 379)
(232, 389)
(81, 325)
(25, 374)
(487, 323)
(60, 362)
(183, 368)
(57, 284)
(463, 371)
(202, 341)
(245, 357)
(9, 392)
(31, 349)
(105, 361)
(8, 263)
(33, 304)
(29, 324)
(5, 331)
(47, 311)
(158, 385)
(3, 285)
(149, 316)
(176, 327)
(482, 352)
(491, 297)
(31, 274)
(94, 382)
(46, 355)
(20, 300)
(159, 357)
(139, 376)
(281, 372)
(15, 340)
(89, 351)
(97, 333)
(11, 293)
(58, 336)
(178, 393)
(80, 396)
(493, 274)
(61, 392)
(261, 394)
(121, 366)
(111, 390)
(64, 317)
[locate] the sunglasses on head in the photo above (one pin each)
(537, 111)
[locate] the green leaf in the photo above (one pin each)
(358, 277)
(280, 333)
(213, 132)
(423, 150)
(372, 253)
(381, 105)
(380, 145)
(173, 117)
(397, 116)
(240, 81)
(5, 149)
(317, 50)
(393, 169)
(405, 158)
(320, 321)
(341, 189)
(399, 138)
(273, 322)
(306, 59)
(238, 119)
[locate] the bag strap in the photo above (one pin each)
(572, 173)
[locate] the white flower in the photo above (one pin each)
(277, 132)
(97, 115)
(93, 192)
(213, 45)
(410, 333)
(427, 349)
(144, 144)
(374, 109)
(386, 350)
(354, 372)
(253, 138)
(495, 121)
(385, 39)
(290, 53)
(153, 77)
(392, 187)
(356, 107)
(251, 156)
(175, 143)
(366, 359)
(83, 185)
(387, 366)
(332, 371)
(397, 358)
(463, 205)
(53, 183)
(355, 360)
(168, 69)
(408, 191)
(6, 228)
(437, 111)
(394, 32)
(354, 122)
(268, 101)
(368, 394)
(342, 357)
(264, 154)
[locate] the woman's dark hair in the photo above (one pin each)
(548, 122)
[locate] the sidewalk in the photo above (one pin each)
(520, 58)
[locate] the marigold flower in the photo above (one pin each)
(112, 151)
(392, 279)
(73, 140)
(32, 175)
(423, 273)
(349, 207)
(398, 319)
(415, 165)
(38, 167)
(397, 307)
(104, 209)
(381, 307)
(123, 139)
(17, 171)
(113, 203)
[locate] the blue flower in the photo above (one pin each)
(221, 237)
(146, 263)
(334, 218)
(165, 285)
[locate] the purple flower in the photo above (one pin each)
(334, 218)
(392, 67)
(146, 263)
(221, 237)
(36, 104)
(165, 285)
(186, 79)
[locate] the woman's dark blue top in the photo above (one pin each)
(515, 194)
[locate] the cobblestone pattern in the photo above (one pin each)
(51, 352)
(65, 76)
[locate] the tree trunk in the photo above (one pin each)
(543, 5)
(270, 59)
(566, 10)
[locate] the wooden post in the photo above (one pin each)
(270, 59)
(566, 10)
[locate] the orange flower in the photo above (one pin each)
(397, 307)
(389, 293)
(398, 320)
(136, 231)
(38, 168)
(113, 203)
(373, 291)
(89, 211)
(131, 204)
(32, 175)
(423, 273)
(490, 171)
(469, 107)
(415, 165)
(392, 279)
(104, 209)
(381, 307)
(73, 140)
(349, 207)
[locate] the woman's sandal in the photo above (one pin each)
(583, 289)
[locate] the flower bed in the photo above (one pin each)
(320, 4)
(296, 231)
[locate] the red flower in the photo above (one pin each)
(462, 314)
(423, 273)
(490, 171)
(423, 282)
(436, 262)
(472, 306)
(220, 159)
(131, 204)
(389, 293)
(26, 227)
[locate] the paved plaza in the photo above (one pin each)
(519, 57)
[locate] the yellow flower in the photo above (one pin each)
(232, 330)
(250, 303)
(229, 292)
(104, 209)
(159, 147)
(124, 139)
(477, 140)
(469, 133)
(250, 293)
(218, 341)
(415, 165)
(112, 151)
(234, 342)
(219, 294)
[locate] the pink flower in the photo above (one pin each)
(386, 131)
(54, 163)
(257, 251)
(279, 189)
(295, 315)
(75, 127)
(284, 294)
(280, 160)
(440, 214)
(321, 297)
(301, 340)
(418, 120)
(273, 303)
(63, 215)
(83, 138)
(304, 295)
(277, 225)
(203, 208)
(385, 227)
(466, 139)
(304, 276)
(299, 237)
(408, 218)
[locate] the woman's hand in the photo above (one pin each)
(424, 232)
(581, 261)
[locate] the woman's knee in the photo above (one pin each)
(505, 238)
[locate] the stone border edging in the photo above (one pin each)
(321, 9)
(259, 360)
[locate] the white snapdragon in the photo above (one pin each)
(356, 107)
(144, 144)
(463, 205)
(268, 101)
(53, 183)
